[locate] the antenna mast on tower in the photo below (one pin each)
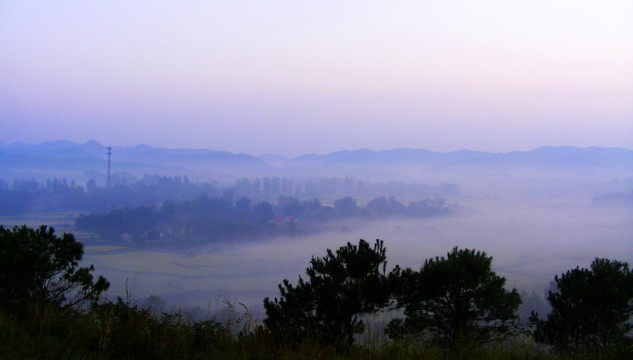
(108, 180)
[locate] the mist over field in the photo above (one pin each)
(538, 213)
(218, 163)
(530, 241)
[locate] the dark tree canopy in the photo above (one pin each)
(37, 267)
(454, 299)
(341, 287)
(591, 308)
(220, 219)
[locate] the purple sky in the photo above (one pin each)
(291, 78)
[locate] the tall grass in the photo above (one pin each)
(121, 330)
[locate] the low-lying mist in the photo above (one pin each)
(531, 242)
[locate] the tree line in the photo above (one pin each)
(454, 302)
(211, 219)
(24, 196)
(272, 187)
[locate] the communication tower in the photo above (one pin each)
(108, 179)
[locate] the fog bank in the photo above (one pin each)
(531, 242)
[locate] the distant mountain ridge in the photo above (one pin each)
(69, 158)
(549, 156)
(61, 155)
(401, 155)
(94, 148)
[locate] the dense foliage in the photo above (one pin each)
(23, 196)
(455, 299)
(212, 219)
(340, 288)
(591, 309)
(38, 268)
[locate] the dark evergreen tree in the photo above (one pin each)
(37, 267)
(591, 309)
(341, 287)
(454, 299)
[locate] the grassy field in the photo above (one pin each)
(62, 222)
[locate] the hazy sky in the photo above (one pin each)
(293, 77)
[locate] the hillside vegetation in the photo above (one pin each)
(455, 307)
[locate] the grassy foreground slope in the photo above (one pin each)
(123, 331)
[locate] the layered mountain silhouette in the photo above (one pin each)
(64, 158)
